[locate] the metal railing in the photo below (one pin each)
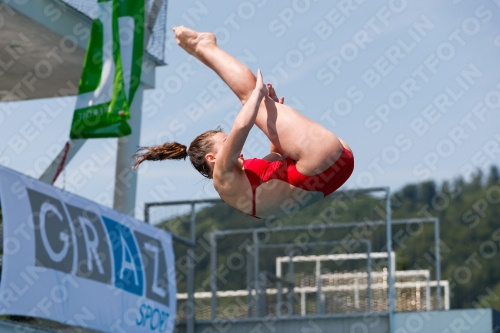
(191, 244)
(355, 289)
(388, 223)
(292, 259)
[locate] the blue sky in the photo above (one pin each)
(412, 86)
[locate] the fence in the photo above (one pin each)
(248, 303)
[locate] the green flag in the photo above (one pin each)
(111, 71)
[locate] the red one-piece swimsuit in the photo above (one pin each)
(259, 171)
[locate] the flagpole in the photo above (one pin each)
(49, 173)
(125, 177)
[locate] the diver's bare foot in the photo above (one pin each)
(192, 41)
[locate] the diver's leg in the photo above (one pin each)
(313, 147)
(203, 46)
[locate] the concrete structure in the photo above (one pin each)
(463, 321)
(7, 326)
(36, 61)
(41, 56)
(43, 47)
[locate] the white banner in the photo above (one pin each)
(68, 259)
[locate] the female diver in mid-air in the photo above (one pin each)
(306, 161)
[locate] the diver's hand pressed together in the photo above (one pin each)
(272, 94)
(260, 87)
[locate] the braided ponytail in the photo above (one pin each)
(166, 151)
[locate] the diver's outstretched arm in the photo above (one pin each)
(236, 138)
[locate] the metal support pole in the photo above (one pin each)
(302, 303)
(319, 308)
(146, 213)
(279, 300)
(262, 295)
(428, 293)
(213, 279)
(352, 224)
(125, 177)
(190, 274)
(356, 292)
(369, 274)
(49, 173)
(418, 294)
(390, 279)
(290, 288)
(447, 296)
(393, 264)
(249, 282)
(438, 262)
(183, 240)
(256, 273)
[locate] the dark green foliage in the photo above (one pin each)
(494, 176)
(428, 190)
